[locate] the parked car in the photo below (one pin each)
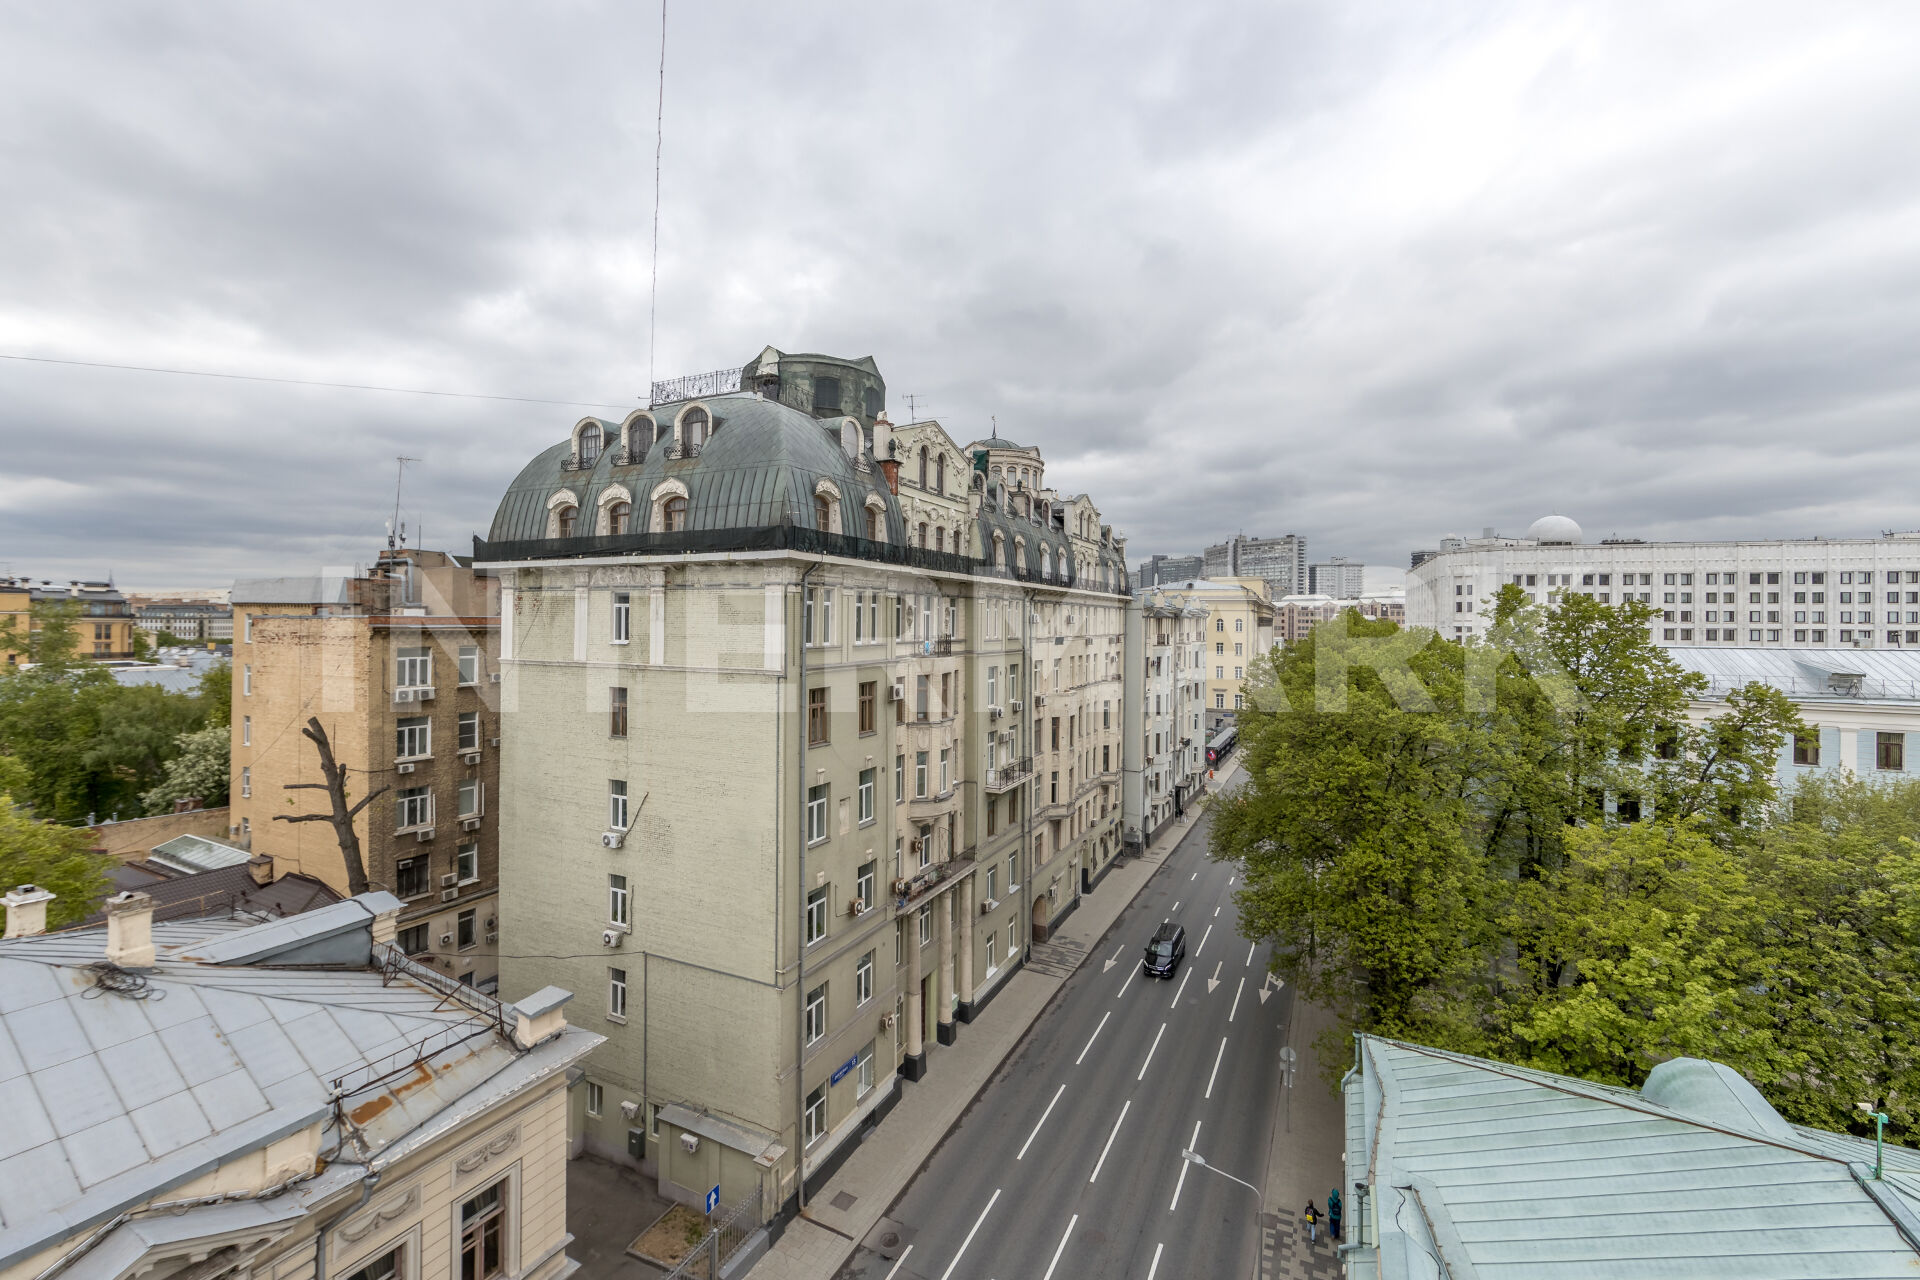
(1167, 949)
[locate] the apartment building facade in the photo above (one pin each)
(1280, 563)
(1240, 626)
(1821, 593)
(811, 725)
(1166, 763)
(103, 621)
(399, 664)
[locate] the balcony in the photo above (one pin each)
(908, 892)
(1010, 774)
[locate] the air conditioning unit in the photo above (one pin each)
(689, 1142)
(913, 846)
(493, 742)
(407, 767)
(993, 713)
(897, 691)
(631, 1110)
(446, 939)
(1039, 700)
(448, 881)
(857, 907)
(611, 937)
(493, 677)
(989, 905)
(469, 824)
(423, 835)
(887, 1020)
(448, 895)
(1017, 705)
(423, 694)
(613, 839)
(470, 757)
(493, 937)
(403, 695)
(900, 888)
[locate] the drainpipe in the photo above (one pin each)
(800, 970)
(367, 1184)
(1033, 753)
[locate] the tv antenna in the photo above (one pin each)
(913, 407)
(393, 526)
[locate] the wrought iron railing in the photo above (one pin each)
(695, 385)
(1010, 774)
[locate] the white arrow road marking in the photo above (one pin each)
(1116, 960)
(1063, 1247)
(1216, 1070)
(1184, 1166)
(969, 1240)
(1156, 1044)
(1214, 981)
(1236, 999)
(1043, 1119)
(1090, 1039)
(1097, 1164)
(1273, 984)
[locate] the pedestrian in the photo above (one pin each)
(1313, 1224)
(1333, 1214)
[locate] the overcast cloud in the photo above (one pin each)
(1370, 273)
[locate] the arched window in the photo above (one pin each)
(673, 514)
(940, 473)
(565, 519)
(939, 539)
(1046, 561)
(620, 518)
(999, 552)
(822, 513)
(694, 430)
(875, 515)
(589, 443)
(923, 466)
(923, 534)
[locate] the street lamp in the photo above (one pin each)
(1194, 1157)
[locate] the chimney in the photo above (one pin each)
(260, 867)
(130, 930)
(26, 910)
(890, 467)
(539, 1016)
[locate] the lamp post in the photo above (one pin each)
(1194, 1157)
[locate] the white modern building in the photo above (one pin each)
(1163, 758)
(1780, 592)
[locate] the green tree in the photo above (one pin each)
(50, 636)
(200, 769)
(56, 858)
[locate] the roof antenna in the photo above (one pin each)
(393, 526)
(913, 408)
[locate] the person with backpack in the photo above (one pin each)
(1313, 1224)
(1333, 1214)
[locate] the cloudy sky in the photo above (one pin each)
(1366, 272)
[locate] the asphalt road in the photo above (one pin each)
(1067, 1166)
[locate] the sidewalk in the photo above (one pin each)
(841, 1213)
(1303, 1162)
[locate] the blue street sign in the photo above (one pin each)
(713, 1199)
(840, 1072)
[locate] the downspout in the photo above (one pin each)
(1033, 772)
(800, 970)
(367, 1184)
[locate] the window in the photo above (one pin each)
(863, 885)
(1806, 748)
(619, 904)
(622, 617)
(471, 797)
(466, 933)
(816, 1013)
(413, 940)
(466, 863)
(946, 779)
(921, 685)
(469, 724)
(1013, 873)
(617, 804)
(413, 669)
(926, 925)
(816, 717)
(992, 948)
(596, 1098)
(469, 664)
(1890, 751)
(414, 807)
(620, 518)
(384, 1267)
(617, 711)
(246, 781)
(816, 813)
(869, 696)
(816, 1118)
(899, 778)
(616, 993)
(863, 979)
(589, 443)
(673, 515)
(866, 1072)
(823, 513)
(920, 775)
(866, 797)
(410, 877)
(246, 731)
(993, 878)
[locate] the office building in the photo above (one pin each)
(1280, 562)
(1158, 571)
(1339, 578)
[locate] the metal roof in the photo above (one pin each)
(197, 853)
(1480, 1169)
(1885, 675)
(113, 1096)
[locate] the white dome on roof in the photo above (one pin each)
(1555, 529)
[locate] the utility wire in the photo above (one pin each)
(308, 382)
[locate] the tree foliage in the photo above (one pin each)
(200, 770)
(56, 858)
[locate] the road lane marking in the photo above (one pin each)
(1214, 981)
(969, 1240)
(1250, 947)
(1129, 982)
(1216, 913)
(1232, 878)
(1090, 1039)
(1062, 1249)
(1216, 1070)
(1182, 991)
(1150, 1270)
(1156, 1044)
(1110, 1137)
(1043, 1119)
(1116, 959)
(1176, 904)
(1194, 876)
(1184, 1166)
(1236, 999)
(902, 1261)
(1203, 940)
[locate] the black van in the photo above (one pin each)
(1166, 951)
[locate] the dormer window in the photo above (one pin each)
(822, 513)
(673, 515)
(589, 443)
(874, 516)
(565, 519)
(620, 518)
(695, 427)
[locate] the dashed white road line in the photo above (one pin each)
(1150, 1270)
(1156, 1044)
(969, 1240)
(901, 1261)
(1216, 913)
(1063, 1247)
(1184, 1166)
(1194, 876)
(1236, 999)
(1090, 1039)
(1203, 940)
(1097, 1164)
(1232, 878)
(1250, 947)
(1129, 982)
(1176, 906)
(1182, 991)
(1043, 1119)
(1216, 1070)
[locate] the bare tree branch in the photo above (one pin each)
(340, 814)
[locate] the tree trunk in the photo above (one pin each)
(340, 813)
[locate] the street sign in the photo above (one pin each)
(713, 1199)
(840, 1072)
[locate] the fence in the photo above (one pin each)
(710, 1257)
